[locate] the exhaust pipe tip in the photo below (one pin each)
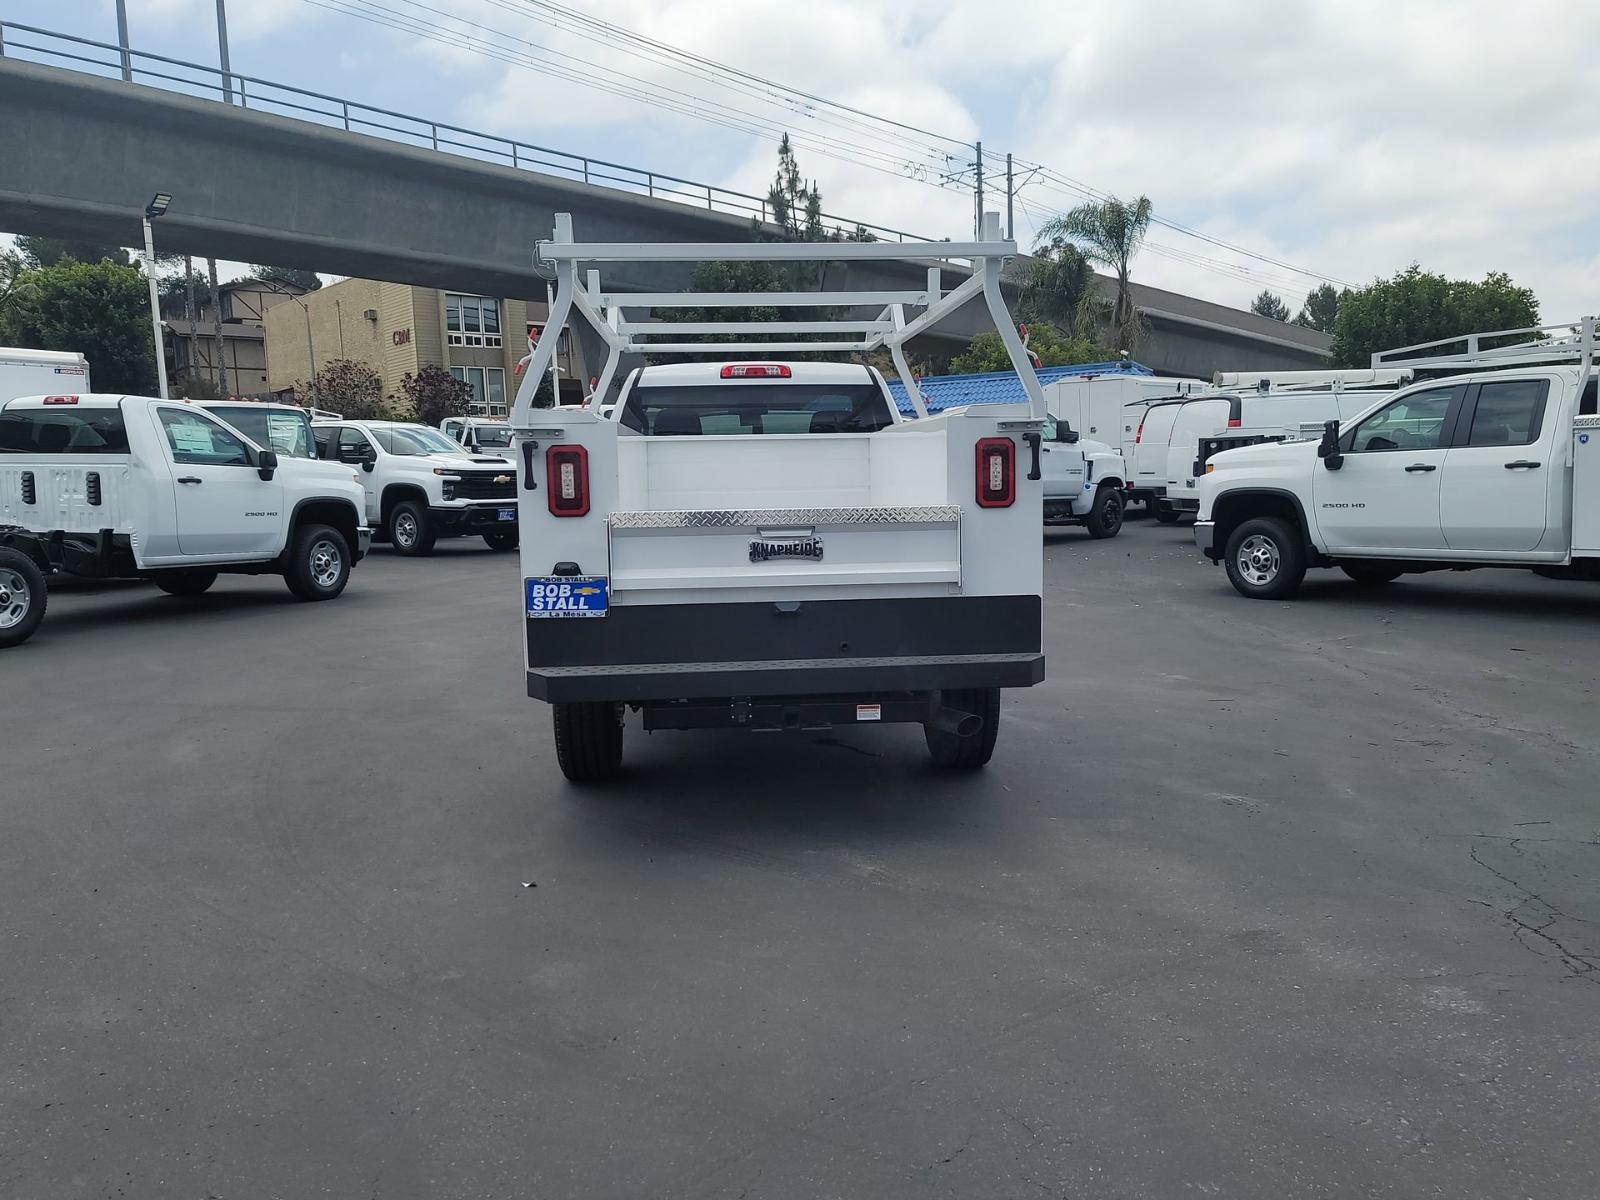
(954, 721)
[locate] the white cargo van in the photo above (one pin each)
(42, 372)
(769, 544)
(1108, 407)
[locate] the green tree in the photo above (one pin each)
(287, 277)
(47, 251)
(435, 395)
(1321, 308)
(1268, 305)
(13, 273)
(100, 309)
(987, 352)
(351, 389)
(1058, 285)
(1420, 306)
(1109, 233)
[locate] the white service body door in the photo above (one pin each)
(225, 510)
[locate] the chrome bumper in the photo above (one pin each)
(1202, 538)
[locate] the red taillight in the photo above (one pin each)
(1138, 434)
(1234, 422)
(60, 399)
(567, 480)
(997, 472)
(756, 371)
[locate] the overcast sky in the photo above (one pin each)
(1345, 137)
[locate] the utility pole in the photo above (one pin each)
(122, 41)
(222, 50)
(978, 223)
(1011, 216)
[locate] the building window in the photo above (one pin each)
(471, 320)
(488, 386)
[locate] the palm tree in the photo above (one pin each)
(1109, 233)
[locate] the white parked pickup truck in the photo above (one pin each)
(422, 486)
(1494, 461)
(760, 543)
(135, 487)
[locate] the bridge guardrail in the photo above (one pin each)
(111, 60)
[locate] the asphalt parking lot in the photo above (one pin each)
(1256, 900)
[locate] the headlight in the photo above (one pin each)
(449, 489)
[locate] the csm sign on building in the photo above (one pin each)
(396, 329)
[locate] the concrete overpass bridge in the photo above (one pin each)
(83, 154)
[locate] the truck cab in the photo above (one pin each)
(1467, 469)
(421, 485)
(1084, 481)
(478, 435)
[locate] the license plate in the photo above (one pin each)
(508, 514)
(568, 596)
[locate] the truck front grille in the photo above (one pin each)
(487, 485)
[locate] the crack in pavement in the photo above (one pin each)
(1579, 964)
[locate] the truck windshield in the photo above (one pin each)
(413, 439)
(288, 431)
(707, 409)
(495, 437)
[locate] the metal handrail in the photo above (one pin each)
(356, 117)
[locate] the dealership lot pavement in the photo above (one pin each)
(1256, 900)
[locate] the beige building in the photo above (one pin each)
(395, 329)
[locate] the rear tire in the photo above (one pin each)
(186, 583)
(410, 531)
(319, 563)
(505, 540)
(1167, 516)
(588, 740)
(1265, 559)
(23, 597)
(1372, 574)
(1105, 517)
(954, 752)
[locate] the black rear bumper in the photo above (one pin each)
(809, 648)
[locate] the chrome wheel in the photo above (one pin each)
(326, 563)
(14, 598)
(1258, 560)
(405, 530)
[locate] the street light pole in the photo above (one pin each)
(222, 51)
(122, 41)
(311, 346)
(154, 209)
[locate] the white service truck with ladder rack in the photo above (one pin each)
(1491, 458)
(763, 543)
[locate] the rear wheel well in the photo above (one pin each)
(1233, 509)
(340, 514)
(396, 492)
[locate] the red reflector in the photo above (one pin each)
(1234, 422)
(567, 480)
(756, 371)
(997, 472)
(60, 399)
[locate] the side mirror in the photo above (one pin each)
(1328, 448)
(369, 460)
(1069, 436)
(267, 463)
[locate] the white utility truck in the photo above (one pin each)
(762, 543)
(1491, 461)
(37, 372)
(135, 487)
(422, 485)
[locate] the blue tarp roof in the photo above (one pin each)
(999, 387)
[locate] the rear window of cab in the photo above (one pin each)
(59, 431)
(708, 410)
